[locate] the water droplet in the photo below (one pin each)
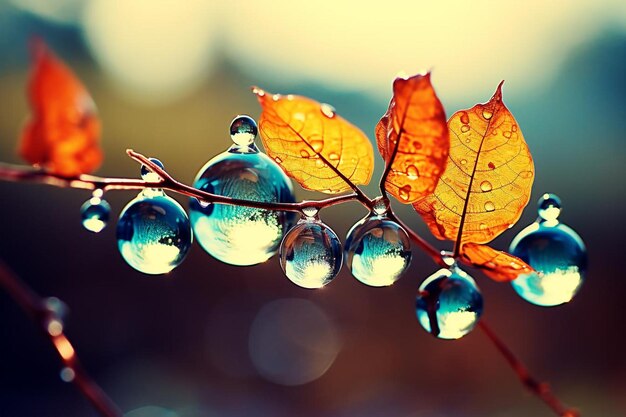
(412, 172)
(482, 226)
(327, 110)
(549, 207)
(276, 97)
(278, 160)
(489, 206)
(485, 186)
(468, 140)
(507, 134)
(95, 214)
(491, 165)
(404, 192)
(299, 116)
(304, 153)
(225, 231)
(67, 374)
(514, 128)
(98, 193)
(310, 211)
(465, 128)
(259, 92)
(310, 254)
(464, 118)
(449, 304)
(559, 256)
(333, 156)
(463, 161)
(526, 174)
(378, 251)
(147, 174)
(487, 114)
(290, 97)
(380, 206)
(154, 234)
(319, 163)
(243, 130)
(317, 145)
(204, 204)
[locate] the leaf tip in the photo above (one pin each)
(498, 94)
(259, 92)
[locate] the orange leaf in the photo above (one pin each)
(487, 180)
(497, 265)
(314, 145)
(413, 137)
(64, 131)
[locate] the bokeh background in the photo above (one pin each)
(215, 340)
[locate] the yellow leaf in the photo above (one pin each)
(497, 265)
(488, 178)
(314, 145)
(413, 137)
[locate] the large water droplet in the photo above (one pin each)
(558, 255)
(153, 234)
(327, 110)
(485, 186)
(487, 114)
(449, 304)
(243, 130)
(95, 214)
(310, 254)
(235, 234)
(378, 251)
(489, 206)
(549, 207)
(147, 174)
(412, 172)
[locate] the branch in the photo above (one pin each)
(52, 326)
(540, 389)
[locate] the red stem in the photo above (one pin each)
(52, 327)
(540, 389)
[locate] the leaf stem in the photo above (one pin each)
(540, 389)
(51, 325)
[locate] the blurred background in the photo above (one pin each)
(215, 340)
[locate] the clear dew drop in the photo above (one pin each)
(147, 174)
(448, 304)
(380, 206)
(485, 186)
(95, 214)
(259, 92)
(276, 97)
(549, 207)
(465, 128)
(204, 204)
(305, 154)
(320, 164)
(328, 110)
(333, 156)
(482, 226)
(514, 128)
(317, 145)
(412, 172)
(243, 130)
(489, 206)
(404, 192)
(487, 114)
(507, 134)
(463, 161)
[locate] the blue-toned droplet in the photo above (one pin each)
(95, 214)
(559, 256)
(154, 234)
(378, 251)
(243, 130)
(310, 254)
(449, 304)
(549, 207)
(147, 174)
(240, 235)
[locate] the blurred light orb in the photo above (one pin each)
(293, 342)
(378, 251)
(151, 411)
(157, 49)
(449, 304)
(310, 254)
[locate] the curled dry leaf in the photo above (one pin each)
(413, 137)
(313, 144)
(497, 265)
(488, 178)
(63, 132)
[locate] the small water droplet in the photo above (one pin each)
(526, 174)
(404, 192)
(485, 186)
(412, 172)
(380, 206)
(465, 128)
(147, 174)
(468, 140)
(98, 193)
(487, 114)
(290, 97)
(514, 128)
(506, 134)
(259, 92)
(304, 153)
(489, 206)
(333, 156)
(464, 118)
(491, 165)
(203, 203)
(317, 145)
(95, 214)
(463, 161)
(549, 207)
(310, 212)
(482, 226)
(327, 110)
(276, 97)
(278, 160)
(299, 116)
(319, 163)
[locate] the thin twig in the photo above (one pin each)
(540, 389)
(52, 326)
